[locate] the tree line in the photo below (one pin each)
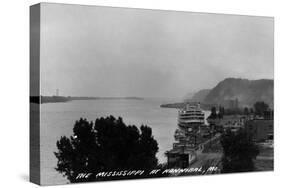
(258, 109)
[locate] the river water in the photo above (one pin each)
(57, 119)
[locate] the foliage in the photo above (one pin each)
(246, 111)
(260, 107)
(221, 112)
(238, 152)
(213, 114)
(106, 146)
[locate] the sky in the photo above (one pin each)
(118, 52)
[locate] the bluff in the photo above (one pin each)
(200, 95)
(247, 92)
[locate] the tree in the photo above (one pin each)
(213, 114)
(238, 152)
(251, 111)
(260, 107)
(246, 111)
(221, 112)
(106, 146)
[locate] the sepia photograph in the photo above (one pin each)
(125, 93)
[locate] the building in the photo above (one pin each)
(232, 122)
(260, 129)
(180, 156)
(268, 114)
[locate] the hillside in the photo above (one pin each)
(246, 91)
(200, 95)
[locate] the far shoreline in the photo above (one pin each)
(63, 99)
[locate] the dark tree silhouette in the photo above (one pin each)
(221, 112)
(213, 114)
(108, 145)
(238, 152)
(260, 107)
(246, 111)
(251, 111)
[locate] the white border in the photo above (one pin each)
(14, 77)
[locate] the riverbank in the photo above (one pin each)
(180, 105)
(58, 99)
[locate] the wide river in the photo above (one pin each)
(57, 119)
